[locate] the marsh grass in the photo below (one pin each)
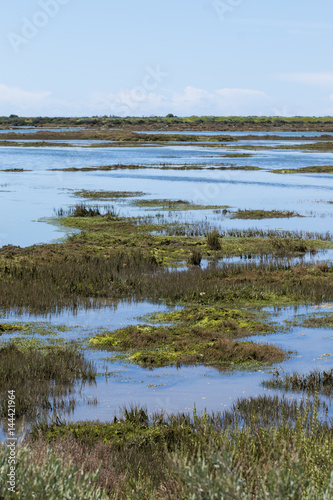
(107, 195)
(313, 382)
(198, 229)
(177, 205)
(43, 381)
(319, 169)
(50, 278)
(264, 214)
(213, 240)
(322, 321)
(194, 258)
(265, 447)
(81, 211)
(115, 258)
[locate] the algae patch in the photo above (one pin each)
(199, 335)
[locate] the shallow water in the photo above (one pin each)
(29, 196)
(179, 389)
(32, 130)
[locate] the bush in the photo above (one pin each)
(83, 211)
(44, 477)
(195, 258)
(213, 240)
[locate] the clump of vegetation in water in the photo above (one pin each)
(194, 258)
(315, 381)
(83, 211)
(213, 240)
(318, 169)
(42, 381)
(107, 195)
(321, 320)
(202, 335)
(110, 265)
(264, 214)
(175, 205)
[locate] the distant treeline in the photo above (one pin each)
(175, 123)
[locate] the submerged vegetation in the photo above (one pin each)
(322, 321)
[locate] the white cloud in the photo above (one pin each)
(139, 102)
(316, 79)
(16, 100)
(191, 101)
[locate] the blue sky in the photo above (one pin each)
(153, 57)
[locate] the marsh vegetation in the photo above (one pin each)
(265, 447)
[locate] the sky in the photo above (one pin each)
(154, 57)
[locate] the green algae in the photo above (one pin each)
(231, 321)
(199, 335)
(38, 328)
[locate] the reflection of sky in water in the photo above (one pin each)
(28, 196)
(32, 130)
(177, 389)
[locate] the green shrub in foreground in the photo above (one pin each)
(46, 480)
